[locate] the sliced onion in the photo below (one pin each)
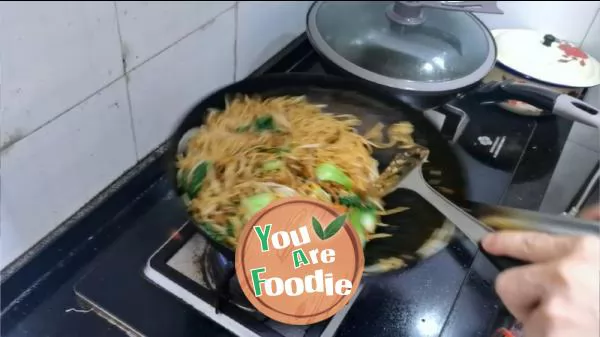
(183, 141)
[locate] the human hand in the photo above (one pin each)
(591, 213)
(557, 294)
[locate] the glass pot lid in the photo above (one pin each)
(408, 45)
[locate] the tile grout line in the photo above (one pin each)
(9, 144)
(203, 26)
(235, 38)
(589, 29)
(1, 146)
(127, 93)
(197, 29)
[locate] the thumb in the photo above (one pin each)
(528, 246)
(591, 213)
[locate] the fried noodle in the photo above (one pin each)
(274, 146)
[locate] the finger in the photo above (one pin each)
(528, 246)
(536, 325)
(521, 289)
(591, 213)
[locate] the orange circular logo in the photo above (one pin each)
(299, 261)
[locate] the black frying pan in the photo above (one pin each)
(410, 229)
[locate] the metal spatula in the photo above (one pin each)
(471, 227)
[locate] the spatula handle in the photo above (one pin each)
(502, 262)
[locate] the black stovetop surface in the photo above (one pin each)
(450, 294)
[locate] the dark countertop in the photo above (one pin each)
(51, 317)
(37, 297)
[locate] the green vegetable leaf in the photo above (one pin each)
(351, 201)
(276, 150)
(230, 229)
(243, 128)
(354, 201)
(253, 204)
(361, 232)
(364, 217)
(196, 177)
(330, 172)
(272, 165)
(236, 225)
(318, 229)
(264, 123)
(212, 232)
(335, 226)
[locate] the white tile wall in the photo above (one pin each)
(568, 20)
(587, 136)
(56, 170)
(264, 27)
(163, 89)
(591, 43)
(53, 55)
(147, 27)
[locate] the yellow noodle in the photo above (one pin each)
(305, 137)
(379, 236)
(393, 211)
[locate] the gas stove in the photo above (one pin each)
(174, 284)
(190, 269)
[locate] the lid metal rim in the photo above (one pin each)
(408, 85)
(512, 70)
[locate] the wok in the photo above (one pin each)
(411, 229)
(422, 230)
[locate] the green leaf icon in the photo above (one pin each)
(335, 226)
(331, 229)
(318, 229)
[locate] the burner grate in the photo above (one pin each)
(187, 267)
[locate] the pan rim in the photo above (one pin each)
(324, 81)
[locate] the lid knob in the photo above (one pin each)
(411, 12)
(548, 40)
